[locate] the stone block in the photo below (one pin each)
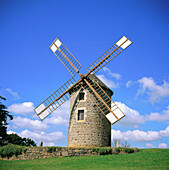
(64, 153)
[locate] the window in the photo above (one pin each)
(80, 114)
(81, 96)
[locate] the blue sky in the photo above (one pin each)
(139, 76)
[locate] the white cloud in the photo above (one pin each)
(149, 145)
(49, 144)
(132, 118)
(135, 135)
(140, 136)
(129, 83)
(57, 121)
(115, 75)
(48, 139)
(15, 94)
(107, 82)
(10, 132)
(163, 145)
(158, 117)
(60, 116)
(35, 125)
(154, 91)
(165, 132)
(63, 110)
(22, 108)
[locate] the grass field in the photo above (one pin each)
(145, 159)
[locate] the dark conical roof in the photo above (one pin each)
(92, 76)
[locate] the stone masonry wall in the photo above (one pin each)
(95, 130)
(42, 152)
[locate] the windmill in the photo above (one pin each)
(91, 109)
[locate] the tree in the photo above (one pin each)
(6, 139)
(14, 139)
(29, 142)
(17, 140)
(4, 115)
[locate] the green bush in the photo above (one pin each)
(102, 150)
(128, 150)
(53, 149)
(10, 150)
(117, 150)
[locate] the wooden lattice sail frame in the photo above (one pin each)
(61, 95)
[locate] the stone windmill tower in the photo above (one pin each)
(87, 125)
(91, 109)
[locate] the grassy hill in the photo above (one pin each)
(145, 159)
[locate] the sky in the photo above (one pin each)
(139, 76)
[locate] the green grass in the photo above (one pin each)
(145, 159)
